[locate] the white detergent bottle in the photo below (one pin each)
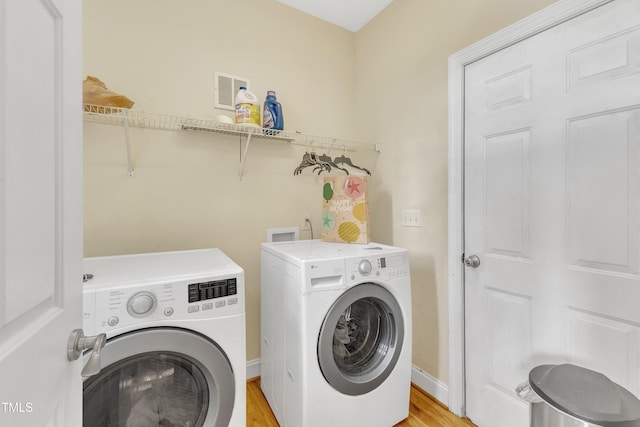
(247, 108)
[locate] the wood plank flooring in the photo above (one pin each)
(424, 411)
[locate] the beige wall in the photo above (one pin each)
(386, 83)
(186, 192)
(401, 98)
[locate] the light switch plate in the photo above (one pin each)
(411, 218)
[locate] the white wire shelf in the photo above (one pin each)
(141, 119)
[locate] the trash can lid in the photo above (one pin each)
(585, 394)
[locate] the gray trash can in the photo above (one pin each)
(570, 396)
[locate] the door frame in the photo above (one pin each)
(555, 14)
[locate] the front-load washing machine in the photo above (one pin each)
(175, 351)
(336, 333)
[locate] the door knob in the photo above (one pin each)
(472, 261)
(78, 343)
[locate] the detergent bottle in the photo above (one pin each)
(272, 113)
(247, 108)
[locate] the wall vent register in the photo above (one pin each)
(212, 289)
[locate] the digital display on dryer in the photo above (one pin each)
(213, 289)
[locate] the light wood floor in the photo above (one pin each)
(424, 411)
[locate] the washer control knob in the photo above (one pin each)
(142, 304)
(364, 267)
(113, 321)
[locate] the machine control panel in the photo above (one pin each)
(213, 289)
(119, 308)
(388, 267)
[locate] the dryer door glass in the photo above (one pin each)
(361, 339)
(160, 377)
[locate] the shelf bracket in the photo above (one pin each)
(243, 158)
(131, 172)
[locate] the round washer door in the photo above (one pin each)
(360, 339)
(160, 377)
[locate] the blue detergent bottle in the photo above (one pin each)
(272, 113)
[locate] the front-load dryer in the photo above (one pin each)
(336, 333)
(175, 351)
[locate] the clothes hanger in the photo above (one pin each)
(324, 163)
(325, 158)
(305, 163)
(344, 160)
(311, 159)
(323, 166)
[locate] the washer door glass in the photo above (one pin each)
(360, 339)
(152, 389)
(160, 377)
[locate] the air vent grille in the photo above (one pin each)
(226, 87)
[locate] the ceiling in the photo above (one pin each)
(349, 14)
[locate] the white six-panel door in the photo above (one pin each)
(40, 211)
(552, 209)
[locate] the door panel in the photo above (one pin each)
(40, 210)
(552, 169)
(612, 57)
(604, 238)
(507, 194)
(509, 320)
(30, 198)
(605, 345)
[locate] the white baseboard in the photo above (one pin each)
(253, 368)
(431, 385)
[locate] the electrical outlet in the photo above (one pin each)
(411, 218)
(306, 222)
